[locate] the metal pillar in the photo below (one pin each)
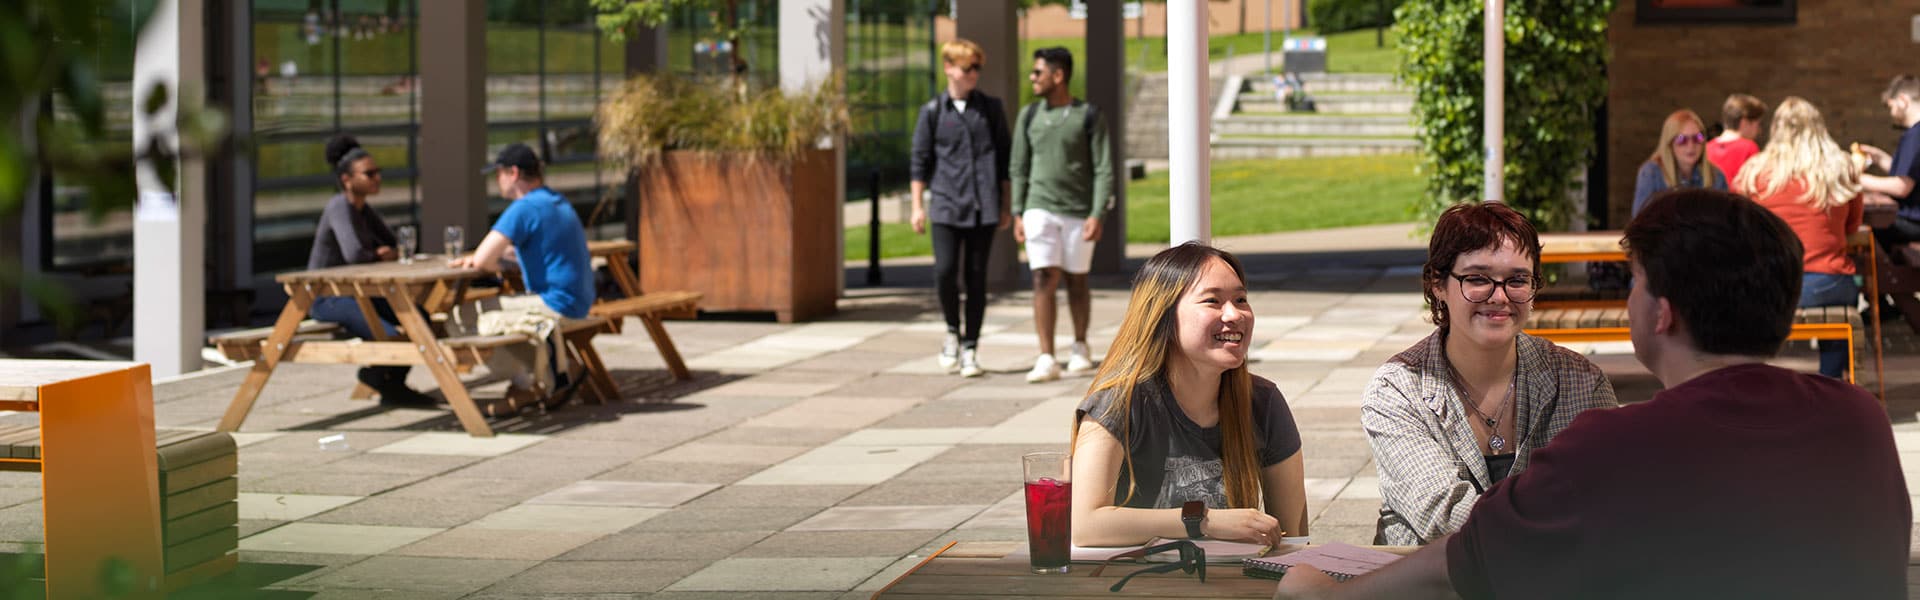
(1495, 77)
(1105, 68)
(169, 223)
(813, 45)
(453, 71)
(1188, 126)
(991, 24)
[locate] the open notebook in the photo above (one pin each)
(1219, 552)
(1341, 561)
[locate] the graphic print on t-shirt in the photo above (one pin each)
(1189, 478)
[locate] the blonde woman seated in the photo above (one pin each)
(1176, 439)
(1459, 411)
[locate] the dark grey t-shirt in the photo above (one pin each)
(1176, 460)
(347, 236)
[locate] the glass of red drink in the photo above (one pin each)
(1049, 477)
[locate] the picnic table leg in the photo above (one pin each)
(658, 332)
(438, 361)
(601, 382)
(1873, 295)
(629, 283)
(101, 482)
(299, 301)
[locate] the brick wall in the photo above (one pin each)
(1839, 55)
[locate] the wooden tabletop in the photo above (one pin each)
(998, 570)
(610, 247)
(20, 380)
(1604, 246)
(425, 268)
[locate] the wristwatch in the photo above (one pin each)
(1192, 513)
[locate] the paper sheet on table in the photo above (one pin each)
(1218, 551)
(1339, 560)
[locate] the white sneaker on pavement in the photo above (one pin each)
(970, 363)
(950, 354)
(1045, 369)
(1079, 359)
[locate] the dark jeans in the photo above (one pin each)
(1828, 289)
(961, 253)
(1901, 232)
(346, 312)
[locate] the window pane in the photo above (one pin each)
(83, 239)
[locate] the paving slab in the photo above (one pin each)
(473, 542)
(387, 509)
(831, 412)
(738, 454)
(850, 543)
(596, 577)
(422, 574)
(460, 444)
(323, 538)
(861, 518)
(656, 470)
(666, 545)
(895, 493)
(289, 507)
(797, 496)
(577, 519)
(624, 493)
(782, 574)
(726, 519)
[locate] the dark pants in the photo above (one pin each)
(1900, 233)
(1828, 289)
(346, 312)
(961, 253)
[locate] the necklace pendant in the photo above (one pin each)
(1490, 422)
(1496, 442)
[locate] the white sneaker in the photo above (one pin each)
(1045, 369)
(1079, 359)
(950, 354)
(970, 363)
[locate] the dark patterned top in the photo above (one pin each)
(1176, 460)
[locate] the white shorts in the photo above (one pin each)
(1057, 241)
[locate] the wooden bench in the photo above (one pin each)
(199, 497)
(1609, 324)
(651, 309)
(244, 345)
(1578, 296)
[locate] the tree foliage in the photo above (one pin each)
(1556, 56)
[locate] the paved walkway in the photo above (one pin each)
(816, 460)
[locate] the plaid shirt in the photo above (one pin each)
(1430, 465)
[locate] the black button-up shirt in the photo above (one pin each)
(961, 156)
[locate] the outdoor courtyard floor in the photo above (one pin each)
(815, 460)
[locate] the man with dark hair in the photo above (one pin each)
(1062, 171)
(546, 236)
(1739, 480)
(1902, 168)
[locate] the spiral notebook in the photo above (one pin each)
(1341, 561)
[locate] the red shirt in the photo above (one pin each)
(1822, 233)
(1728, 156)
(1747, 482)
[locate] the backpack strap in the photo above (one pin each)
(1026, 122)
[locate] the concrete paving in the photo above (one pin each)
(808, 460)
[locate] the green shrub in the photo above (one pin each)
(1556, 57)
(1334, 16)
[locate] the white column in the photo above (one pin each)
(813, 44)
(169, 222)
(1494, 54)
(1188, 125)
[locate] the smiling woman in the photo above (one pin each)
(1461, 410)
(1176, 438)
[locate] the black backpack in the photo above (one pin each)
(1086, 125)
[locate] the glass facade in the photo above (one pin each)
(890, 73)
(75, 239)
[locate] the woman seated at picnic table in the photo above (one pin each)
(1459, 411)
(1678, 160)
(1176, 439)
(1813, 185)
(352, 232)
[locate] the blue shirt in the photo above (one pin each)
(1906, 163)
(1651, 181)
(552, 244)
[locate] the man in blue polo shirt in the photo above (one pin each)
(545, 233)
(1902, 167)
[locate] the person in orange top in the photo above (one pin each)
(1811, 183)
(1740, 116)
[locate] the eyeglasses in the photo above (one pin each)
(1036, 74)
(1479, 288)
(371, 173)
(1193, 560)
(1689, 140)
(973, 68)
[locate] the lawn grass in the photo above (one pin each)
(1249, 197)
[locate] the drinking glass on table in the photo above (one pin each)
(1049, 508)
(404, 235)
(456, 240)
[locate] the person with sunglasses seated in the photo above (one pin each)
(1176, 439)
(1739, 480)
(1460, 410)
(1677, 161)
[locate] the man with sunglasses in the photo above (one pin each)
(1739, 480)
(1062, 170)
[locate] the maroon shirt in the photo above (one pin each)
(1747, 482)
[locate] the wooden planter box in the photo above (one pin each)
(756, 236)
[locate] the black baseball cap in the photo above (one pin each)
(516, 155)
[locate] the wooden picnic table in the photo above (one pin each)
(427, 283)
(99, 473)
(999, 570)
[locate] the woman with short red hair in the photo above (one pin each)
(1460, 410)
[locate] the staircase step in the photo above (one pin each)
(1334, 83)
(1305, 147)
(1334, 103)
(1314, 124)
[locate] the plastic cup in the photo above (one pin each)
(1049, 477)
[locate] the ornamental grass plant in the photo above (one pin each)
(653, 114)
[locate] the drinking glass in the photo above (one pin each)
(456, 240)
(405, 236)
(1049, 477)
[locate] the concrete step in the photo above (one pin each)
(1224, 148)
(1336, 82)
(1315, 125)
(1255, 102)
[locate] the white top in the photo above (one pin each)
(960, 106)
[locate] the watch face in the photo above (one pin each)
(1193, 510)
